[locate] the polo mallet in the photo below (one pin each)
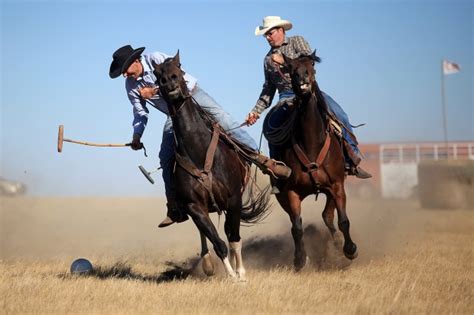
(148, 174)
(61, 139)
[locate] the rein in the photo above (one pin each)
(204, 176)
(277, 66)
(313, 167)
(179, 107)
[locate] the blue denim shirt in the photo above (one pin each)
(132, 86)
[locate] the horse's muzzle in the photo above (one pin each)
(305, 88)
(175, 93)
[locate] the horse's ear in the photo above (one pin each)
(314, 57)
(156, 68)
(154, 64)
(176, 59)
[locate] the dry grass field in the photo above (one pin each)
(410, 260)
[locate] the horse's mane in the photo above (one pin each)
(322, 105)
(206, 115)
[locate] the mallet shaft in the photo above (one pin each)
(98, 144)
(61, 139)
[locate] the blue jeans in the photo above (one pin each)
(167, 150)
(342, 116)
(280, 114)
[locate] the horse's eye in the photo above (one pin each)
(174, 77)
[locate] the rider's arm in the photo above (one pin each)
(268, 92)
(140, 111)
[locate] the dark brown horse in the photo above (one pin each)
(315, 156)
(210, 175)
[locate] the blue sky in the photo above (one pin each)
(381, 62)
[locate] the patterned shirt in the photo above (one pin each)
(292, 47)
(133, 86)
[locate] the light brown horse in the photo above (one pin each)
(315, 156)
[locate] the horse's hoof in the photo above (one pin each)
(207, 265)
(350, 251)
(300, 263)
(338, 240)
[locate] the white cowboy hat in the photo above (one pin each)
(270, 22)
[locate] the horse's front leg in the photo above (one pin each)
(291, 203)
(207, 265)
(205, 226)
(350, 248)
(328, 217)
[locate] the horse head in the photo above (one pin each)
(170, 79)
(302, 73)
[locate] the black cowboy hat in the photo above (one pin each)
(123, 58)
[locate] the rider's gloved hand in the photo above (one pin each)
(252, 118)
(136, 144)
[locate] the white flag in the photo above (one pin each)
(450, 67)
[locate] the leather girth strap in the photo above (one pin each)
(204, 176)
(313, 167)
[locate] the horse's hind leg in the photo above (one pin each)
(328, 214)
(328, 217)
(291, 203)
(232, 230)
(350, 248)
(205, 225)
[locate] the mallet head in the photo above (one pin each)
(146, 174)
(60, 138)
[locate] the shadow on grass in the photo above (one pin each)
(261, 253)
(122, 270)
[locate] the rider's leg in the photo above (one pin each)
(227, 123)
(174, 214)
(223, 118)
(353, 156)
(278, 117)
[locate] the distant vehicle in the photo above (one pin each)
(11, 188)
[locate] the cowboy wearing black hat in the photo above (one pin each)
(123, 58)
(141, 90)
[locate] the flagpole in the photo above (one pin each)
(443, 103)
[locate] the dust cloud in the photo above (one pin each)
(108, 230)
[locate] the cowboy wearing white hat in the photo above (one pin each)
(277, 78)
(270, 22)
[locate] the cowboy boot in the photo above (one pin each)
(270, 166)
(355, 169)
(358, 172)
(174, 214)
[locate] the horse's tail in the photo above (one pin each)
(256, 208)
